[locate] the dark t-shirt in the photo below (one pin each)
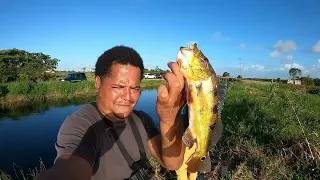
(85, 134)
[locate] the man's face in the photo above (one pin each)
(119, 93)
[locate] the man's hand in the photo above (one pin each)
(169, 104)
(170, 99)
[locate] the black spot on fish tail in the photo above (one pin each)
(215, 109)
(212, 126)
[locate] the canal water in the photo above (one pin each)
(30, 135)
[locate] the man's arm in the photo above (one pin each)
(170, 100)
(68, 167)
(76, 151)
(168, 153)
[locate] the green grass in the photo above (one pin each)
(18, 94)
(262, 134)
(262, 137)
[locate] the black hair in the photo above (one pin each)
(118, 55)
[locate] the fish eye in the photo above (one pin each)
(203, 158)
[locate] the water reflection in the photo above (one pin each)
(40, 107)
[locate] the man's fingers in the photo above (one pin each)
(162, 95)
(176, 71)
(174, 86)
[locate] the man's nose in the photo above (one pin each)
(126, 94)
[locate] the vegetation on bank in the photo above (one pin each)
(263, 137)
(270, 132)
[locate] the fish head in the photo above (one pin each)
(193, 64)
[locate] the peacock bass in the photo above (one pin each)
(202, 100)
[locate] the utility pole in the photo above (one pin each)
(240, 66)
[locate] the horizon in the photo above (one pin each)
(269, 37)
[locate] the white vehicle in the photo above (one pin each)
(149, 76)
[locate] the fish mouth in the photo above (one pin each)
(184, 50)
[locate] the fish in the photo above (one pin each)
(202, 100)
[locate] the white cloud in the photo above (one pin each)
(242, 46)
(217, 36)
(258, 67)
(294, 65)
(316, 47)
(318, 61)
(285, 46)
(274, 54)
(287, 59)
(257, 48)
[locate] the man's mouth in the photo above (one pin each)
(123, 104)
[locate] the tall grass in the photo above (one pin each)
(262, 138)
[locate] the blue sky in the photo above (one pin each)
(269, 36)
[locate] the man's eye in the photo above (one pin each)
(136, 89)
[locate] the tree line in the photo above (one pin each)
(156, 70)
(295, 73)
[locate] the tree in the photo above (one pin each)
(307, 81)
(316, 81)
(295, 72)
(226, 74)
(18, 64)
(239, 76)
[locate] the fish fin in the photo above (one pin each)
(187, 138)
(193, 164)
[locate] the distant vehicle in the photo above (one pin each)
(160, 75)
(75, 77)
(149, 76)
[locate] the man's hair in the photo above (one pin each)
(118, 55)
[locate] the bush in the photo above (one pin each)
(20, 87)
(40, 89)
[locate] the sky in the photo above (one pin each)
(268, 36)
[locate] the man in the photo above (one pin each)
(107, 139)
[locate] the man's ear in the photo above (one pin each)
(98, 83)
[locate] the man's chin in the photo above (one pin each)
(121, 116)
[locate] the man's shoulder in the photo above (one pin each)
(85, 115)
(148, 123)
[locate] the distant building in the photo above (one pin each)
(297, 82)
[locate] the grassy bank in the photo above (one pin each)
(263, 138)
(271, 131)
(17, 94)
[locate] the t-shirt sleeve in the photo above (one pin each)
(148, 123)
(77, 136)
